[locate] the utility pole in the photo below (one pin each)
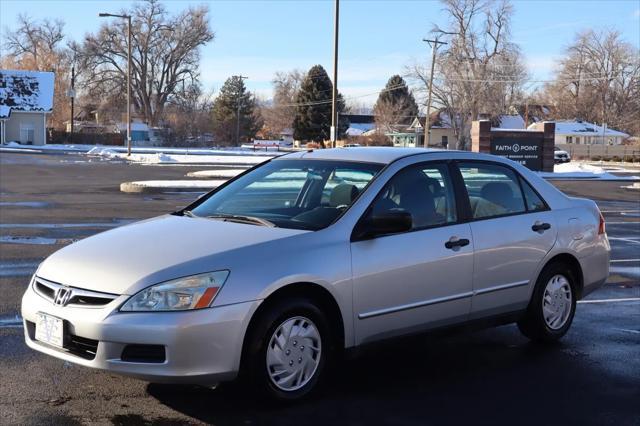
(241, 78)
(128, 18)
(334, 98)
(72, 94)
(427, 131)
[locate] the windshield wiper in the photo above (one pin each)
(188, 213)
(243, 219)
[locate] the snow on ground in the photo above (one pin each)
(174, 155)
(634, 186)
(17, 147)
(579, 170)
(162, 158)
(106, 150)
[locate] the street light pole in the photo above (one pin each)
(128, 18)
(129, 86)
(241, 78)
(334, 98)
(427, 131)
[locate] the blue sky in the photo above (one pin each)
(377, 38)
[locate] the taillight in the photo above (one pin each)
(601, 227)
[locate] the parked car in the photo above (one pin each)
(273, 274)
(560, 156)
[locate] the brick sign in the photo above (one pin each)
(526, 152)
(532, 148)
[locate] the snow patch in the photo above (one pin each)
(578, 170)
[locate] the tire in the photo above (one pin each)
(307, 355)
(552, 306)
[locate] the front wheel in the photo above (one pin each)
(553, 305)
(289, 349)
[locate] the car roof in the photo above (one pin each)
(374, 154)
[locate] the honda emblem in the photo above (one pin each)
(62, 296)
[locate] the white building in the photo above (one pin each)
(26, 97)
(584, 133)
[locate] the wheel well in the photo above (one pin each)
(574, 265)
(312, 291)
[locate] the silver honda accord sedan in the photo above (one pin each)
(275, 273)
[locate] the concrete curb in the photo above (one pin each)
(136, 187)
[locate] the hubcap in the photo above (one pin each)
(556, 302)
(293, 353)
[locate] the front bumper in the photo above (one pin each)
(201, 346)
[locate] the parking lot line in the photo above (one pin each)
(628, 299)
(624, 260)
(627, 330)
(619, 211)
(628, 240)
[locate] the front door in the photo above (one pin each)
(421, 278)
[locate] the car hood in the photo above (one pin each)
(126, 259)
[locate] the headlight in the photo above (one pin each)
(194, 292)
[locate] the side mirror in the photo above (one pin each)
(384, 223)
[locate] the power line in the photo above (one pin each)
(420, 88)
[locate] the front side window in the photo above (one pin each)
(493, 190)
(424, 191)
(299, 194)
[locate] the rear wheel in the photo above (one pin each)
(553, 304)
(289, 349)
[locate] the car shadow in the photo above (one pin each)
(494, 376)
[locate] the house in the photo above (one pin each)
(442, 133)
(139, 132)
(26, 98)
(360, 123)
(510, 121)
(584, 133)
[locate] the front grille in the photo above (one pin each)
(79, 297)
(48, 292)
(75, 345)
(144, 353)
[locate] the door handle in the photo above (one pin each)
(540, 226)
(456, 242)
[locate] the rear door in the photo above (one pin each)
(420, 278)
(513, 230)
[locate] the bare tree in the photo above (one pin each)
(165, 55)
(278, 116)
(38, 45)
(189, 116)
(480, 72)
(598, 81)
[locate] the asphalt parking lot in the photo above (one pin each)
(494, 376)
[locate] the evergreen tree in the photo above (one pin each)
(234, 95)
(395, 104)
(312, 121)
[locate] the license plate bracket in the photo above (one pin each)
(50, 329)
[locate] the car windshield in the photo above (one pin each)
(299, 194)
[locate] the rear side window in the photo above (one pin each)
(493, 190)
(534, 202)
